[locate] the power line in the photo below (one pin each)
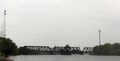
(42, 32)
(38, 38)
(111, 37)
(92, 35)
(51, 35)
(25, 33)
(21, 36)
(107, 39)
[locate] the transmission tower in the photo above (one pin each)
(4, 25)
(99, 37)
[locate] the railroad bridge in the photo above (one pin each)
(88, 49)
(56, 49)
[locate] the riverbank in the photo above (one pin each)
(5, 59)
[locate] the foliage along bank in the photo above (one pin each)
(107, 49)
(8, 47)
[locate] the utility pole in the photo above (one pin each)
(1, 32)
(99, 37)
(4, 25)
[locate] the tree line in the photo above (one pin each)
(107, 49)
(8, 47)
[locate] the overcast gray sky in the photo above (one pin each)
(61, 22)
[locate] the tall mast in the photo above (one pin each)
(99, 37)
(1, 32)
(4, 25)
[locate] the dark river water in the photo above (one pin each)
(64, 58)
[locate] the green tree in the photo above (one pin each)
(116, 45)
(8, 47)
(107, 48)
(115, 52)
(98, 49)
(103, 49)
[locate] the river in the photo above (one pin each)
(64, 58)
